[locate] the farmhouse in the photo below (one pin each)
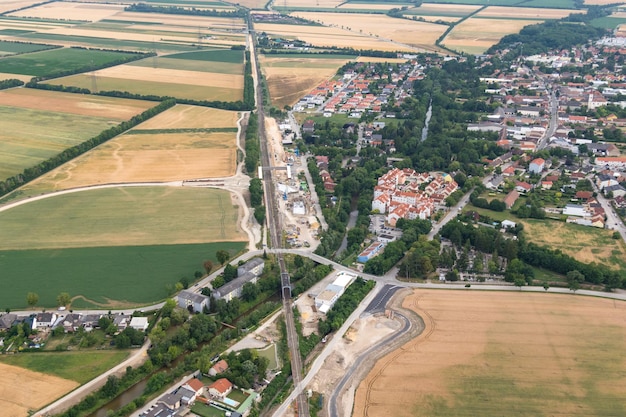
(197, 302)
(44, 320)
(139, 323)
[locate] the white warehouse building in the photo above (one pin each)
(325, 300)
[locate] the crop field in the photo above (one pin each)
(449, 10)
(8, 5)
(586, 244)
(323, 36)
(148, 156)
(71, 11)
(418, 34)
(253, 4)
(311, 5)
(31, 131)
(525, 13)
(227, 23)
(561, 4)
(484, 352)
(608, 22)
(223, 62)
(43, 389)
(111, 277)
(158, 81)
(291, 77)
(80, 367)
(183, 116)
(373, 6)
(11, 48)
(126, 216)
(46, 63)
(29, 136)
(476, 35)
(598, 2)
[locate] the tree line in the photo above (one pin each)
(68, 154)
(147, 8)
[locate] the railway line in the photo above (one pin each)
(275, 232)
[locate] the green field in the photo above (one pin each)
(28, 136)
(10, 48)
(205, 410)
(107, 277)
(170, 62)
(556, 4)
(269, 353)
(125, 216)
(100, 42)
(224, 55)
(75, 366)
(187, 91)
(608, 22)
(54, 61)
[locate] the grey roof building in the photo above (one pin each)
(254, 265)
(197, 301)
(233, 288)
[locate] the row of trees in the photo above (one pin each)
(148, 8)
(345, 305)
(256, 199)
(252, 146)
(68, 154)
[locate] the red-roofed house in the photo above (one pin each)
(583, 195)
(218, 368)
(522, 186)
(220, 388)
(510, 199)
(195, 385)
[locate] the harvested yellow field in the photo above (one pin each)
(253, 4)
(129, 36)
(309, 4)
(163, 75)
(71, 11)
(526, 12)
(476, 35)
(16, 401)
(380, 59)
(85, 105)
(446, 9)
(183, 116)
(230, 23)
(508, 353)
(418, 34)
(8, 76)
(8, 5)
(329, 36)
(147, 157)
(599, 2)
(289, 79)
(369, 6)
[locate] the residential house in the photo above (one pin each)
(195, 385)
(612, 162)
(536, 165)
(233, 288)
(511, 198)
(254, 265)
(188, 299)
(139, 323)
(7, 320)
(522, 186)
(219, 367)
(72, 322)
(575, 210)
(308, 127)
(604, 180)
(583, 195)
(159, 410)
(121, 321)
(615, 190)
(220, 388)
(45, 320)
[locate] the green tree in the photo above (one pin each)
(63, 299)
(222, 256)
(574, 279)
(249, 291)
(230, 273)
(32, 299)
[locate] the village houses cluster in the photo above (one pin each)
(401, 195)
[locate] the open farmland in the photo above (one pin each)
(450, 10)
(128, 216)
(483, 352)
(8, 5)
(105, 277)
(31, 131)
(191, 117)
(192, 85)
(214, 61)
(525, 13)
(183, 143)
(476, 35)
(70, 11)
(54, 61)
(289, 77)
(562, 4)
(43, 388)
(310, 5)
(323, 36)
(253, 4)
(417, 34)
(12, 48)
